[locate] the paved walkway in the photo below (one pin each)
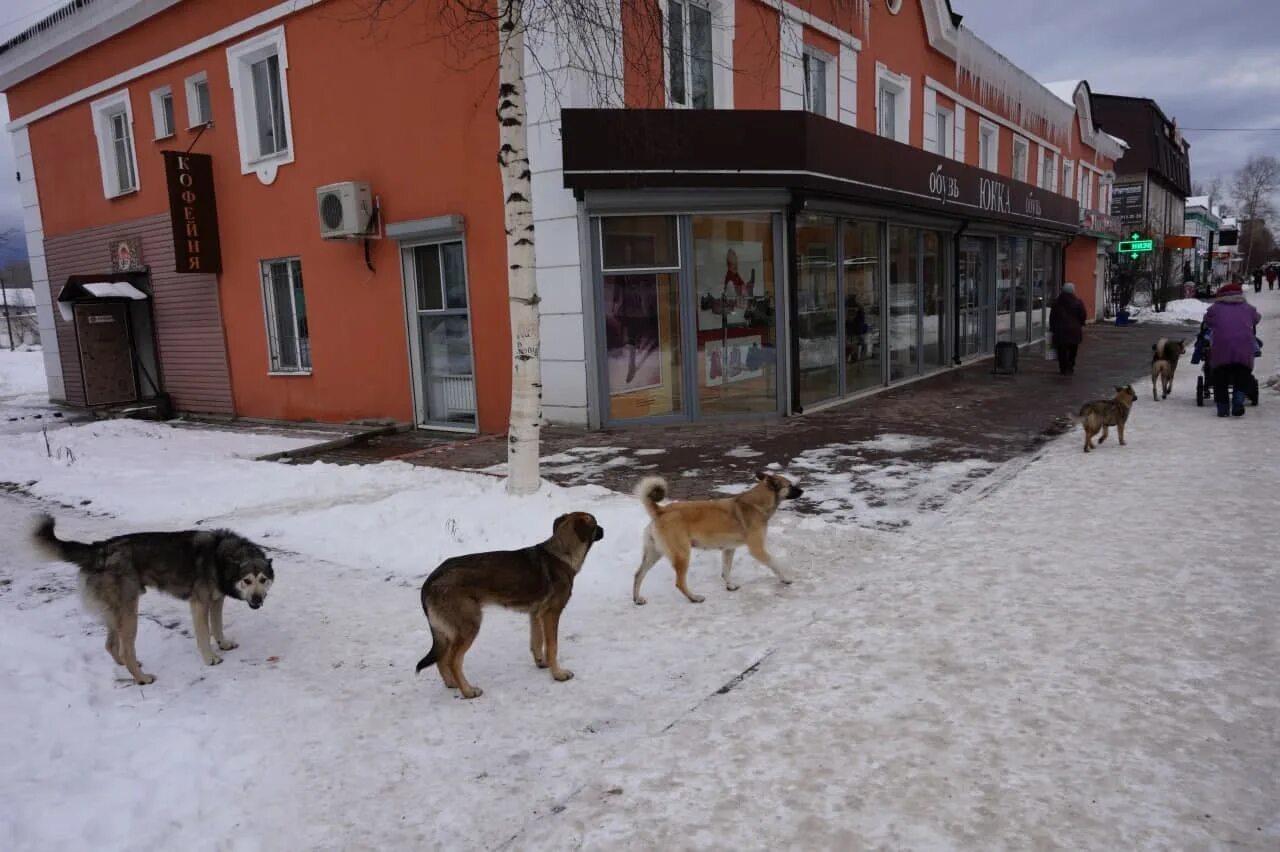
(877, 459)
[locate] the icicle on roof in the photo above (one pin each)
(997, 81)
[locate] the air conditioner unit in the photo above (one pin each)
(346, 210)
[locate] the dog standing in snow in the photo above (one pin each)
(724, 525)
(1100, 415)
(1164, 362)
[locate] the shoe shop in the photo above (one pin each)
(766, 263)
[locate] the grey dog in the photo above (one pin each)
(201, 566)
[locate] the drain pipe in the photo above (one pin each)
(955, 319)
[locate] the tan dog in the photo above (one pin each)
(1164, 363)
(1102, 414)
(537, 580)
(723, 525)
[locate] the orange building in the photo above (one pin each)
(272, 209)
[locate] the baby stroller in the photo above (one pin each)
(1202, 354)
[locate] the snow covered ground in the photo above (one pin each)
(1177, 312)
(1083, 654)
(24, 396)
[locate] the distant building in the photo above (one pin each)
(1199, 220)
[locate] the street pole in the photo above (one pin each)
(1208, 275)
(4, 300)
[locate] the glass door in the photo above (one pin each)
(864, 354)
(974, 296)
(904, 302)
(817, 309)
(436, 274)
(1011, 294)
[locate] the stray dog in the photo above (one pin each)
(1164, 363)
(1102, 414)
(723, 525)
(537, 580)
(201, 566)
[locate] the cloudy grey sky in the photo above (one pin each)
(1208, 64)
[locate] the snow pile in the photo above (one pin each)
(1178, 312)
(22, 374)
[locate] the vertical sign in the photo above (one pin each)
(1129, 203)
(194, 213)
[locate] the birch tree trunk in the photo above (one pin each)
(513, 159)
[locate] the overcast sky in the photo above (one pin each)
(1208, 64)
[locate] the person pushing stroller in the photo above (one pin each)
(1231, 323)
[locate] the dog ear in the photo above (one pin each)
(761, 476)
(555, 525)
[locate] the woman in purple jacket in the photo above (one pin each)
(1233, 322)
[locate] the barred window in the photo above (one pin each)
(286, 307)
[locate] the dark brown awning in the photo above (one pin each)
(799, 151)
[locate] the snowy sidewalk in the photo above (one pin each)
(1081, 654)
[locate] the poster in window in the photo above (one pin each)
(739, 360)
(730, 283)
(633, 333)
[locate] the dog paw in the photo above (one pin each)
(212, 660)
(542, 664)
(732, 588)
(144, 679)
(473, 692)
(227, 644)
(562, 675)
(786, 581)
(696, 598)
(640, 601)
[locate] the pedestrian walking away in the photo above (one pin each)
(1232, 322)
(1272, 275)
(1066, 323)
(1257, 280)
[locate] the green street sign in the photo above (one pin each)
(1135, 246)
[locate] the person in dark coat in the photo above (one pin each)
(1066, 323)
(1257, 280)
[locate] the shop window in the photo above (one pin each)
(113, 126)
(1021, 153)
(640, 256)
(904, 302)
(736, 311)
(863, 354)
(690, 76)
(199, 101)
(261, 94)
(162, 112)
(893, 104)
(933, 325)
(819, 82)
(988, 146)
(288, 338)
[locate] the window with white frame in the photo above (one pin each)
(893, 104)
(199, 101)
(1048, 165)
(288, 339)
(1086, 189)
(819, 82)
(1068, 178)
(113, 126)
(945, 129)
(1021, 150)
(988, 146)
(690, 76)
(162, 112)
(261, 93)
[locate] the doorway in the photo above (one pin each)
(974, 298)
(106, 352)
(440, 334)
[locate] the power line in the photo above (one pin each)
(1232, 129)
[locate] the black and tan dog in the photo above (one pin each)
(537, 580)
(1164, 363)
(1100, 415)
(724, 525)
(204, 567)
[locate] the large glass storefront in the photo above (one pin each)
(689, 315)
(691, 309)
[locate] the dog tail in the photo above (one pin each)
(1075, 418)
(651, 491)
(48, 542)
(432, 655)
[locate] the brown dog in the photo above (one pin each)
(723, 525)
(1100, 415)
(537, 580)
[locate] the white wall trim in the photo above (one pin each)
(103, 110)
(961, 132)
(803, 16)
(239, 58)
(790, 63)
(984, 125)
(848, 82)
(929, 132)
(960, 99)
(227, 33)
(193, 103)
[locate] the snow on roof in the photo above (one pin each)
(1064, 90)
(115, 290)
(1116, 139)
(1198, 201)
